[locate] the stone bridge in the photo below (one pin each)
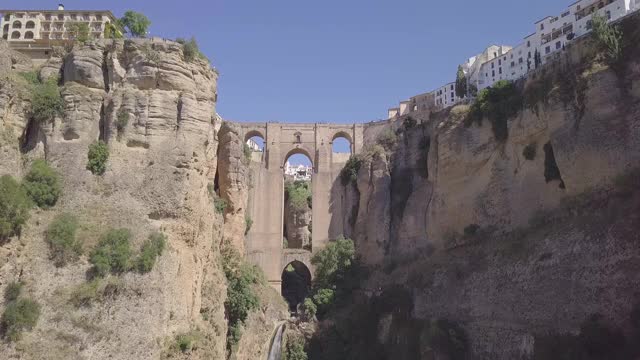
(264, 243)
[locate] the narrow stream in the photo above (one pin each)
(275, 352)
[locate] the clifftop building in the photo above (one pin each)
(35, 31)
(502, 62)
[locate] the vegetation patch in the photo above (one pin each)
(46, 101)
(608, 39)
(498, 103)
(122, 119)
(241, 295)
(537, 92)
(188, 342)
(294, 348)
(19, 315)
(61, 237)
(298, 194)
(349, 173)
(220, 204)
(12, 291)
(152, 248)
(96, 290)
(190, 49)
(247, 152)
(98, 155)
(42, 184)
(113, 253)
(248, 222)
(387, 139)
(14, 207)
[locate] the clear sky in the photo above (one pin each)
(338, 61)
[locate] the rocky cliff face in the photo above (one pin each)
(513, 240)
(160, 164)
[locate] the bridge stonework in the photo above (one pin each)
(264, 243)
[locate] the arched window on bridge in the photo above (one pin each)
(296, 283)
(254, 146)
(341, 144)
(298, 202)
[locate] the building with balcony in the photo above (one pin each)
(35, 31)
(502, 62)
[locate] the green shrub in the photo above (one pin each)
(14, 207)
(12, 291)
(294, 349)
(98, 156)
(309, 308)
(151, 249)
(42, 184)
(96, 290)
(61, 237)
(409, 123)
(324, 299)
(241, 297)
(113, 253)
(20, 315)
(188, 341)
(349, 173)
(122, 119)
(247, 151)
(447, 339)
(78, 31)
(190, 49)
(248, 222)
(31, 77)
(529, 151)
(387, 139)
(498, 103)
(608, 38)
(299, 195)
(333, 262)
(46, 102)
(220, 205)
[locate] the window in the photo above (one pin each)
(493, 65)
(452, 96)
(608, 15)
(499, 62)
(558, 45)
(486, 74)
(451, 87)
(520, 61)
(513, 63)
(528, 43)
(60, 16)
(542, 26)
(589, 24)
(547, 49)
(499, 70)
(564, 14)
(493, 73)
(529, 56)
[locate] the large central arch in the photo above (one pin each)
(264, 241)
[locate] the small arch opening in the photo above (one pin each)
(17, 25)
(298, 202)
(15, 35)
(30, 25)
(6, 28)
(28, 35)
(256, 143)
(296, 283)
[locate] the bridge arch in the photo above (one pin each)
(296, 283)
(252, 133)
(303, 150)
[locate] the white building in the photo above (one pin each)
(298, 173)
(35, 31)
(254, 145)
(501, 62)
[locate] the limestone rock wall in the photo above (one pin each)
(296, 223)
(159, 167)
(478, 233)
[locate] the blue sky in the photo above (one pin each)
(340, 61)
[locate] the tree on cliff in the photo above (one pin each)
(461, 83)
(135, 23)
